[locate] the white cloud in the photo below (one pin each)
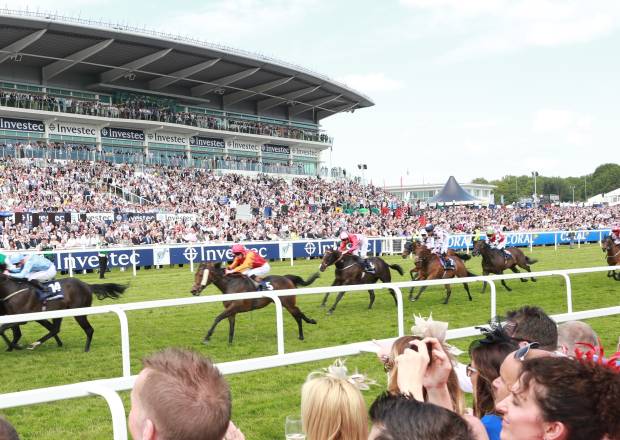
(496, 26)
(372, 82)
(572, 127)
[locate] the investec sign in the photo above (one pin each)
(65, 128)
(199, 141)
(22, 125)
(277, 149)
(168, 138)
(122, 133)
(246, 146)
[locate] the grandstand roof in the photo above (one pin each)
(58, 51)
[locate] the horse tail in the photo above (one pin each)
(397, 268)
(299, 281)
(529, 260)
(463, 256)
(108, 290)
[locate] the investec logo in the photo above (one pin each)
(122, 133)
(167, 139)
(72, 129)
(235, 145)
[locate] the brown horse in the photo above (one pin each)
(350, 271)
(496, 262)
(433, 269)
(208, 273)
(410, 248)
(19, 296)
(613, 256)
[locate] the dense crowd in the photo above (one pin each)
(276, 208)
(145, 109)
(530, 379)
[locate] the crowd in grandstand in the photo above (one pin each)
(280, 209)
(143, 108)
(530, 379)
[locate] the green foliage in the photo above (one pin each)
(604, 179)
(262, 399)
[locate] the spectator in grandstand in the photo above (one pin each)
(179, 395)
(7, 432)
(398, 416)
(487, 355)
(333, 407)
(531, 324)
(576, 334)
(559, 398)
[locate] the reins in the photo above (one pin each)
(15, 293)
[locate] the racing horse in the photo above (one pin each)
(350, 271)
(208, 273)
(496, 262)
(409, 248)
(613, 256)
(433, 269)
(19, 296)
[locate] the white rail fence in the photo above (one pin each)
(108, 388)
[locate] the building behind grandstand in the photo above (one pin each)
(71, 88)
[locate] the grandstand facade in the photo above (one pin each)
(74, 89)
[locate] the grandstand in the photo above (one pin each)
(72, 88)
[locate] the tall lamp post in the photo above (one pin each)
(535, 175)
(363, 167)
(573, 188)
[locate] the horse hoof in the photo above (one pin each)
(312, 321)
(330, 312)
(322, 305)
(33, 345)
(534, 280)
(205, 341)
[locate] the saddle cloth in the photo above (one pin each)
(52, 290)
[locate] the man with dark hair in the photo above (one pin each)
(400, 417)
(532, 324)
(179, 395)
(7, 432)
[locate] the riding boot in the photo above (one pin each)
(259, 284)
(38, 285)
(368, 266)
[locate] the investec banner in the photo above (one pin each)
(245, 146)
(22, 125)
(122, 133)
(168, 138)
(70, 129)
(276, 149)
(199, 141)
(307, 152)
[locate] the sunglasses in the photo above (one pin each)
(469, 370)
(521, 353)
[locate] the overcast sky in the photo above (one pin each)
(462, 87)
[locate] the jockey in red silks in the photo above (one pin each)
(615, 234)
(356, 244)
(497, 240)
(249, 263)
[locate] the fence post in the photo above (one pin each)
(133, 262)
(374, 248)
(400, 311)
(125, 353)
(569, 292)
(70, 265)
(493, 299)
(119, 419)
(279, 320)
(531, 242)
(555, 241)
(191, 265)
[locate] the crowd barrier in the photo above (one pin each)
(108, 388)
(79, 259)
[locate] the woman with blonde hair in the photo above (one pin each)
(332, 408)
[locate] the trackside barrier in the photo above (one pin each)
(108, 388)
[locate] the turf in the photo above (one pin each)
(261, 400)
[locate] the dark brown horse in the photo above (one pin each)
(433, 269)
(496, 261)
(19, 296)
(350, 271)
(613, 256)
(208, 273)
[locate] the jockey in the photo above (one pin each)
(437, 242)
(423, 236)
(495, 238)
(251, 264)
(356, 244)
(615, 234)
(34, 268)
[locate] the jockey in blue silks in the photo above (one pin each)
(31, 267)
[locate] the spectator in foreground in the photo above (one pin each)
(531, 324)
(559, 398)
(179, 395)
(401, 417)
(575, 334)
(7, 432)
(333, 408)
